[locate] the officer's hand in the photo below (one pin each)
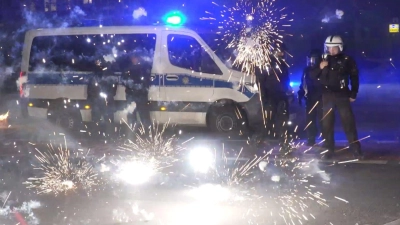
(352, 99)
(323, 64)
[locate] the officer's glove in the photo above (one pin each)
(289, 91)
(300, 98)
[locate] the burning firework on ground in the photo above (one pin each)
(3, 120)
(224, 181)
(147, 153)
(150, 142)
(62, 171)
(254, 29)
(285, 189)
(294, 192)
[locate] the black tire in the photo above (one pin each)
(225, 119)
(68, 120)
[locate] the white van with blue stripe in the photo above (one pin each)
(190, 84)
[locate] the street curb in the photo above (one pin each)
(305, 160)
(301, 140)
(272, 158)
(396, 222)
(272, 141)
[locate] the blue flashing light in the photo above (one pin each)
(292, 84)
(175, 18)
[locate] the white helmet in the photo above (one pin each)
(333, 41)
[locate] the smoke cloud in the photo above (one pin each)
(333, 16)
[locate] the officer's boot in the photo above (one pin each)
(311, 141)
(358, 154)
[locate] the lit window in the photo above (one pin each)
(87, 1)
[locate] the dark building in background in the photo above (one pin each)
(11, 11)
(364, 26)
(8, 10)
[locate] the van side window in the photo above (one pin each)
(103, 54)
(186, 52)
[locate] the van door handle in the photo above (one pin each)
(172, 77)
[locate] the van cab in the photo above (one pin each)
(190, 84)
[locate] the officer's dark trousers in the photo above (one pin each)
(341, 103)
(97, 107)
(142, 108)
(142, 111)
(313, 116)
(278, 115)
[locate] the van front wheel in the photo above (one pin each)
(67, 120)
(225, 120)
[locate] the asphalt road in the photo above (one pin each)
(355, 193)
(348, 194)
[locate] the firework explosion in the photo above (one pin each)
(254, 29)
(293, 191)
(283, 189)
(151, 143)
(226, 182)
(61, 172)
(3, 120)
(149, 152)
(4, 116)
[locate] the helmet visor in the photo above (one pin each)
(311, 60)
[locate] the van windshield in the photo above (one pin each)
(220, 48)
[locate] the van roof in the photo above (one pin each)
(102, 30)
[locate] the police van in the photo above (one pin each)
(186, 88)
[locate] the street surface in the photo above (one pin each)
(298, 188)
(352, 193)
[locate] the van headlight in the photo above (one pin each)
(252, 87)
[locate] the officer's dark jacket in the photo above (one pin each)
(341, 71)
(137, 80)
(275, 81)
(93, 91)
(277, 78)
(310, 88)
(108, 87)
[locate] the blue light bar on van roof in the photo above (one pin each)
(174, 18)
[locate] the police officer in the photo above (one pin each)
(93, 93)
(310, 90)
(277, 93)
(335, 73)
(137, 83)
(108, 88)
